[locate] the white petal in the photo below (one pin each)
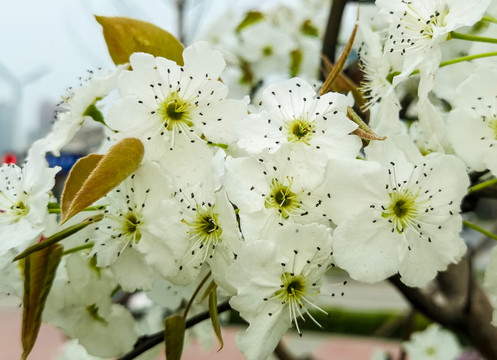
(367, 251)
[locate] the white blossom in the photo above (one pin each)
(80, 106)
(24, 196)
(72, 350)
(434, 343)
(266, 48)
(377, 90)
(293, 115)
(272, 191)
(417, 28)
(162, 100)
(132, 238)
(472, 124)
(80, 304)
(397, 212)
(278, 281)
(205, 222)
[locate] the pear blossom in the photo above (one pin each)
(206, 224)
(377, 90)
(429, 133)
(417, 29)
(292, 114)
(79, 106)
(271, 191)
(163, 100)
(278, 280)
(80, 304)
(376, 65)
(24, 196)
(266, 48)
(434, 343)
(472, 124)
(132, 238)
(188, 163)
(397, 212)
(72, 350)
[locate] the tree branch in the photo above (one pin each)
(333, 29)
(471, 317)
(147, 342)
(423, 302)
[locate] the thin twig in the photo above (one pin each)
(147, 342)
(282, 353)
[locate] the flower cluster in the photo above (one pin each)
(263, 202)
(261, 47)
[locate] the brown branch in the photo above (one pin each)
(330, 41)
(147, 342)
(466, 310)
(423, 302)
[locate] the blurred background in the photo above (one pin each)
(48, 46)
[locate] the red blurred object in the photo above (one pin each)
(9, 158)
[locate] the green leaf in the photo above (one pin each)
(39, 273)
(295, 62)
(125, 36)
(337, 69)
(251, 18)
(214, 316)
(363, 131)
(207, 291)
(309, 29)
(61, 235)
(93, 112)
(174, 336)
(85, 185)
(79, 173)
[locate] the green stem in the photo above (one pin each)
(479, 229)
(482, 185)
(489, 19)
(61, 235)
(54, 208)
(197, 290)
(456, 35)
(78, 248)
(219, 145)
(467, 58)
(448, 62)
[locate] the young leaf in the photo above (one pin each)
(343, 84)
(39, 273)
(251, 18)
(207, 291)
(214, 316)
(125, 36)
(363, 131)
(79, 173)
(174, 336)
(83, 189)
(340, 63)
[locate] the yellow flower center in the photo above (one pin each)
(282, 198)
(402, 210)
(175, 112)
(131, 226)
(300, 130)
(293, 288)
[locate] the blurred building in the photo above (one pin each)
(7, 117)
